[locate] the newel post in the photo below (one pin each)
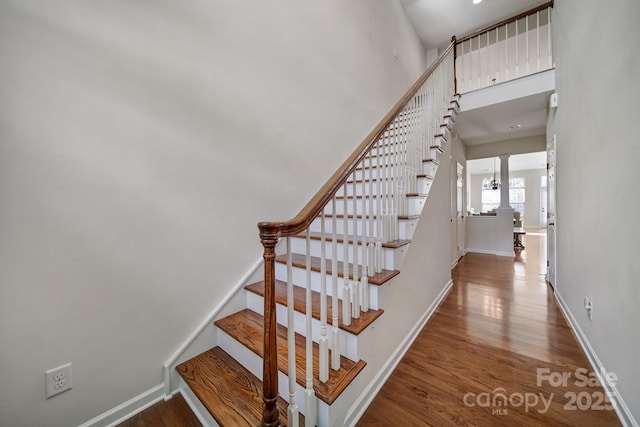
(270, 412)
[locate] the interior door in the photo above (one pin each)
(460, 210)
(543, 201)
(551, 211)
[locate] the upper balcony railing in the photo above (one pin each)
(513, 48)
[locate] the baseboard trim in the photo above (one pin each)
(490, 252)
(204, 324)
(127, 409)
(201, 413)
(621, 408)
(370, 392)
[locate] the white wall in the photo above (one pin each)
(140, 143)
(597, 150)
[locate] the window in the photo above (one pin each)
(491, 198)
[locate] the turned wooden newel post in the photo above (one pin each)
(270, 413)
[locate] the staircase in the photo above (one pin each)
(321, 296)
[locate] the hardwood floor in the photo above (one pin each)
(171, 413)
(476, 361)
(494, 353)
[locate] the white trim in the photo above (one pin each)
(490, 252)
(623, 411)
(366, 397)
(128, 409)
(204, 324)
(199, 410)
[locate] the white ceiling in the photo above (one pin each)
(436, 21)
(493, 122)
(519, 162)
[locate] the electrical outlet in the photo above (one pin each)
(57, 380)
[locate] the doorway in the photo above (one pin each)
(551, 212)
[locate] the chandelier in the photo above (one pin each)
(491, 184)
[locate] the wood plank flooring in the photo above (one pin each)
(499, 324)
(171, 413)
(476, 361)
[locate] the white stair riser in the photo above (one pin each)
(300, 278)
(430, 168)
(414, 204)
(390, 259)
(253, 363)
(405, 232)
(359, 190)
(424, 186)
(440, 141)
(348, 341)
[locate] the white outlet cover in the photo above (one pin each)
(58, 380)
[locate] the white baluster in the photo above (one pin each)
(372, 219)
(526, 33)
(470, 65)
(488, 60)
(550, 61)
(366, 217)
(497, 57)
(538, 41)
(506, 46)
(323, 343)
(380, 200)
(517, 51)
(346, 292)
(479, 64)
(292, 409)
(355, 285)
(310, 394)
(335, 342)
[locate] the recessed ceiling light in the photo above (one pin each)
(518, 126)
(476, 1)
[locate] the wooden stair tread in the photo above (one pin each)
(231, 394)
(246, 327)
(300, 302)
(431, 161)
(316, 235)
(299, 260)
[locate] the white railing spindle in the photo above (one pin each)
(506, 47)
(310, 394)
(517, 51)
(335, 342)
(497, 79)
(323, 344)
(526, 33)
(292, 410)
(550, 60)
(355, 285)
(538, 41)
(346, 292)
(364, 301)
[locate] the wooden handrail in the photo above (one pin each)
(505, 22)
(270, 232)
